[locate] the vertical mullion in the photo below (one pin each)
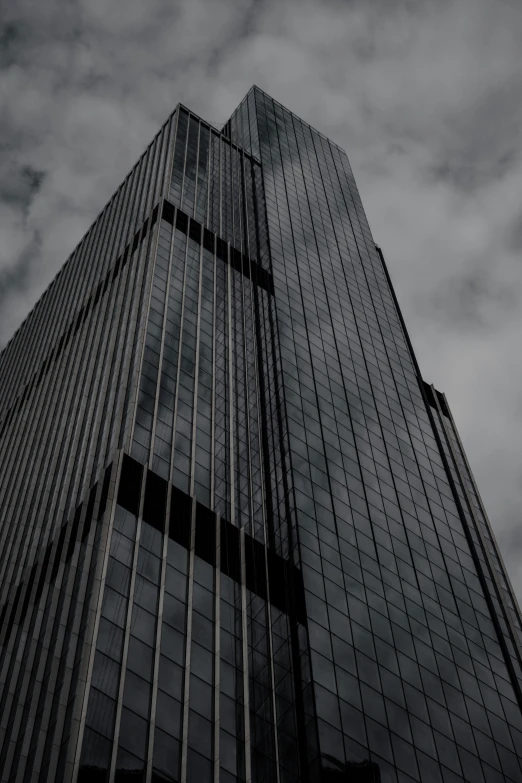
(72, 653)
(221, 150)
(209, 178)
(230, 340)
(80, 711)
(244, 647)
(146, 316)
(213, 427)
(178, 368)
(217, 648)
(185, 161)
(125, 294)
(120, 428)
(247, 283)
(164, 188)
(157, 648)
(162, 345)
(196, 376)
(196, 172)
(152, 169)
(188, 646)
(128, 624)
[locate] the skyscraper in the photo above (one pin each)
(240, 539)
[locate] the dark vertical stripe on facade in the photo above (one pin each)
(302, 739)
(262, 390)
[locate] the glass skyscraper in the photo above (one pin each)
(240, 540)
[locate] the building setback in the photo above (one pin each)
(240, 540)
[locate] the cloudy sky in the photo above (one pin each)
(426, 97)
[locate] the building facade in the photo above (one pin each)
(240, 539)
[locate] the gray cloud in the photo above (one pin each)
(474, 300)
(424, 96)
(515, 234)
(481, 144)
(20, 186)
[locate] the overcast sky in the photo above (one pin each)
(426, 98)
